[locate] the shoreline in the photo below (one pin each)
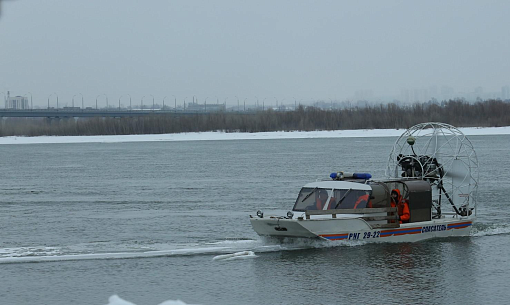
(224, 136)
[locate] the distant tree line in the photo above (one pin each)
(490, 113)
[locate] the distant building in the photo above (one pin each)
(505, 92)
(433, 93)
(16, 102)
(364, 95)
(447, 93)
(421, 95)
(409, 96)
(479, 93)
(205, 107)
(405, 96)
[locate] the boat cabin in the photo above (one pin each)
(330, 195)
(361, 194)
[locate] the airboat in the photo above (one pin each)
(434, 167)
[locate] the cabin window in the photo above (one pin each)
(327, 199)
(312, 199)
(351, 199)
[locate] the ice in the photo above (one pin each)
(237, 255)
(116, 300)
(217, 136)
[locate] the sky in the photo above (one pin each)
(229, 50)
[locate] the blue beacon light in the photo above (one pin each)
(365, 176)
(337, 176)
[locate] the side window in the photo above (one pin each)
(354, 199)
(362, 200)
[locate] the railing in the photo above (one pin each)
(391, 215)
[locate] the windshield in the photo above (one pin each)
(324, 199)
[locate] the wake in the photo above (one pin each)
(232, 249)
(480, 229)
(223, 250)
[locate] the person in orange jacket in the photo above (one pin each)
(321, 200)
(402, 206)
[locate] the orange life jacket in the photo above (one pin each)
(319, 204)
(402, 207)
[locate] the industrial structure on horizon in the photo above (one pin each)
(361, 99)
(16, 102)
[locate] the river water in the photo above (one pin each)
(82, 222)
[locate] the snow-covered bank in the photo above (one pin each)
(218, 136)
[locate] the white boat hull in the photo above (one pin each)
(356, 229)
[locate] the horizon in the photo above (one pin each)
(102, 101)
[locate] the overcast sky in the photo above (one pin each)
(279, 49)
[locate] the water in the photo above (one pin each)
(82, 222)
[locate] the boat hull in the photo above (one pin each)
(355, 229)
